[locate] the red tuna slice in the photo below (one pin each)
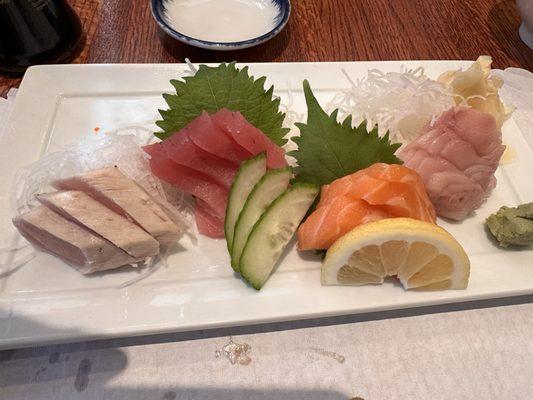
(181, 149)
(249, 137)
(187, 179)
(206, 222)
(210, 138)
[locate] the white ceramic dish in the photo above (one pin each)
(47, 301)
(221, 25)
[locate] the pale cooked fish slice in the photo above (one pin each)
(79, 207)
(121, 194)
(73, 244)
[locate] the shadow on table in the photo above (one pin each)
(87, 370)
(63, 362)
(223, 393)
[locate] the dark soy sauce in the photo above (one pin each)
(36, 32)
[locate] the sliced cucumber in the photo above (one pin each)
(249, 173)
(271, 185)
(273, 231)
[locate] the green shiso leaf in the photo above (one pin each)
(224, 86)
(328, 150)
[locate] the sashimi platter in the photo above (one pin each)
(370, 194)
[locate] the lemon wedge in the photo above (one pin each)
(420, 254)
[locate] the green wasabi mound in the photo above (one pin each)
(512, 225)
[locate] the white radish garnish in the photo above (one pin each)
(398, 102)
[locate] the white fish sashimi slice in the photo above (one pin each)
(457, 158)
(73, 244)
(83, 209)
(122, 195)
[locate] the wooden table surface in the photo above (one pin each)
(123, 31)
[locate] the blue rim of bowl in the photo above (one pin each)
(206, 44)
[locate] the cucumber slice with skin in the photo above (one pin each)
(273, 231)
(249, 173)
(271, 185)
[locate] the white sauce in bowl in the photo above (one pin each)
(221, 20)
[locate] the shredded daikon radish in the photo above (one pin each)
(121, 148)
(291, 116)
(192, 69)
(35, 178)
(398, 102)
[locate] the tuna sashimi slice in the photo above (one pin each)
(331, 221)
(80, 208)
(202, 160)
(187, 179)
(207, 223)
(72, 243)
(181, 149)
(122, 195)
(209, 137)
(248, 136)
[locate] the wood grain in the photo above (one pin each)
(123, 31)
(89, 13)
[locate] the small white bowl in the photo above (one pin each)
(278, 10)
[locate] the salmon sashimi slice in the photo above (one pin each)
(187, 179)
(75, 245)
(122, 195)
(82, 209)
(182, 150)
(397, 189)
(331, 221)
(248, 136)
(399, 199)
(209, 137)
(379, 191)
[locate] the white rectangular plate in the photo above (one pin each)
(46, 301)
